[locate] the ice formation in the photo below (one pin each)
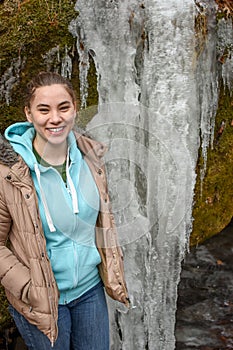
(157, 101)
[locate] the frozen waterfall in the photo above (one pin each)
(155, 95)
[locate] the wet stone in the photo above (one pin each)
(205, 296)
(10, 339)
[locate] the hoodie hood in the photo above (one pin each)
(20, 136)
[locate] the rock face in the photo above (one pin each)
(153, 70)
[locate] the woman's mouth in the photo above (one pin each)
(56, 130)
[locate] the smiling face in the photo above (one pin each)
(52, 112)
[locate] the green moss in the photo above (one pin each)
(213, 207)
(9, 115)
(33, 26)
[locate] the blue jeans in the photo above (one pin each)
(83, 324)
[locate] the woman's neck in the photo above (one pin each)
(52, 154)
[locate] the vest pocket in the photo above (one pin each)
(38, 291)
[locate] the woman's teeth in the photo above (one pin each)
(56, 129)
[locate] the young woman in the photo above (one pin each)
(55, 214)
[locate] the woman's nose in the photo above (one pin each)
(55, 117)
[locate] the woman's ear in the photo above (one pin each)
(75, 108)
(28, 114)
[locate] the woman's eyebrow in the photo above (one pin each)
(42, 105)
(64, 103)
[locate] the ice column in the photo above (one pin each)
(148, 114)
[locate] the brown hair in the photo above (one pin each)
(47, 79)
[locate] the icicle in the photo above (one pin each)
(10, 78)
(207, 77)
(225, 48)
(76, 30)
(66, 67)
(52, 59)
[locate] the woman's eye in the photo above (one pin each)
(64, 108)
(44, 111)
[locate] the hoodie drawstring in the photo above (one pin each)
(71, 188)
(43, 199)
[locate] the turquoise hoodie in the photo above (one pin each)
(68, 213)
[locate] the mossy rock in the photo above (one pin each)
(5, 318)
(213, 208)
